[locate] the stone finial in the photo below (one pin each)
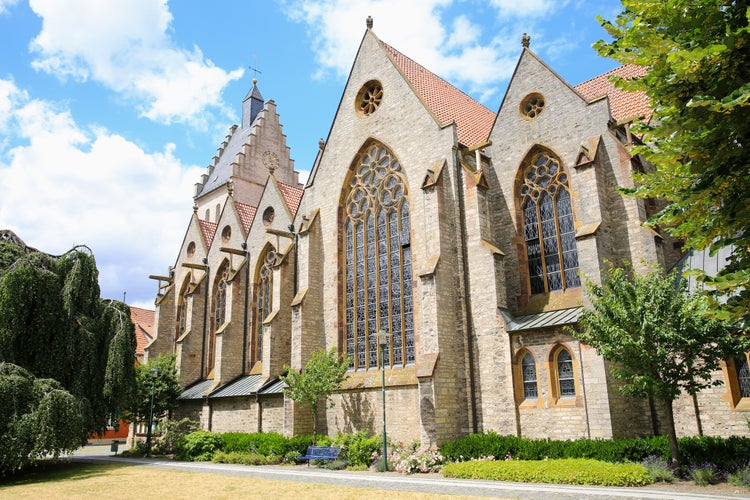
(195, 208)
(321, 144)
(369, 22)
(525, 40)
(230, 187)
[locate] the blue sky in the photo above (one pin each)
(110, 110)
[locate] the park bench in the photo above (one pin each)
(320, 453)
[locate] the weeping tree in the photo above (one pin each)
(55, 327)
(658, 337)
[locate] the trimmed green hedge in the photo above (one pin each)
(264, 443)
(727, 453)
(563, 471)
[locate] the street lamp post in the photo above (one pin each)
(383, 340)
(154, 374)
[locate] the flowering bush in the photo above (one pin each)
(417, 461)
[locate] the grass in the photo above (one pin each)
(118, 481)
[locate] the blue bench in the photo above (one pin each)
(320, 453)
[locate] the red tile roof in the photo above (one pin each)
(143, 319)
(446, 102)
(623, 105)
(292, 196)
(208, 229)
(246, 213)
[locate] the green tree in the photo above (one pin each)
(321, 377)
(37, 418)
(697, 55)
(658, 337)
(159, 375)
(54, 325)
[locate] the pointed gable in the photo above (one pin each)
(208, 229)
(623, 105)
(247, 215)
(445, 102)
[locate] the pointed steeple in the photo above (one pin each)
(252, 105)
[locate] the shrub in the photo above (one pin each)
(358, 449)
(659, 469)
(241, 458)
(705, 474)
(198, 446)
(740, 477)
(563, 471)
(264, 443)
(174, 430)
(409, 462)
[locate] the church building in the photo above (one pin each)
(444, 239)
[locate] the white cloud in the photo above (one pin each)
(124, 44)
(526, 8)
(64, 186)
(5, 5)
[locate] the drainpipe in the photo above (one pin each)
(468, 324)
(583, 389)
(205, 321)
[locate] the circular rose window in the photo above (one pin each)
(369, 97)
(532, 105)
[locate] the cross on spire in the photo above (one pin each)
(254, 69)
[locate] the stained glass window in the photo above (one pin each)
(220, 311)
(743, 375)
(264, 298)
(551, 248)
(565, 374)
(528, 366)
(378, 262)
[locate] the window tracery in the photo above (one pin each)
(548, 226)
(565, 374)
(378, 288)
(265, 296)
(528, 370)
(220, 311)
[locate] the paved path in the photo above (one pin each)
(431, 483)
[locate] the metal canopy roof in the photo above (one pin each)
(542, 320)
(196, 391)
(244, 386)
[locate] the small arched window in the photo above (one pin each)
(565, 379)
(528, 368)
(265, 297)
(548, 231)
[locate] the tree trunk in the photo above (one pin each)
(314, 408)
(674, 450)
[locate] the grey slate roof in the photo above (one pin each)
(274, 387)
(251, 107)
(542, 320)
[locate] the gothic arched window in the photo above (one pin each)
(264, 299)
(220, 311)
(377, 262)
(548, 226)
(181, 320)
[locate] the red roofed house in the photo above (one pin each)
(460, 231)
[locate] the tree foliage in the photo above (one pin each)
(321, 377)
(697, 55)
(658, 336)
(165, 386)
(37, 418)
(54, 325)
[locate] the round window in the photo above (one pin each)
(532, 105)
(226, 233)
(191, 249)
(268, 215)
(369, 97)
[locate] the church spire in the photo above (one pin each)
(252, 104)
